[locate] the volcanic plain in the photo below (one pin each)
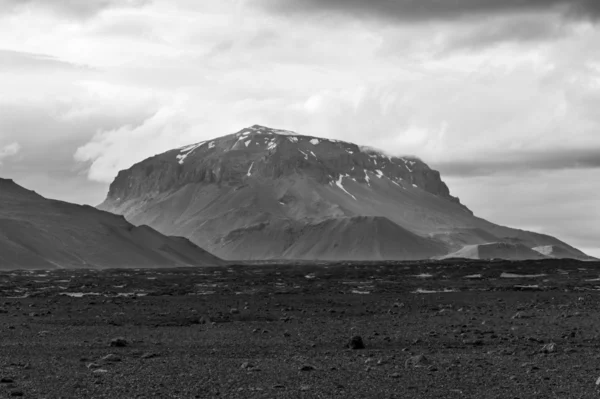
(444, 329)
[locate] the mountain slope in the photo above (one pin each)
(264, 193)
(36, 232)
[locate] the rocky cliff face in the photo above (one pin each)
(265, 193)
(261, 152)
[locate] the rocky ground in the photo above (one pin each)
(451, 329)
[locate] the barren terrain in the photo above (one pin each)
(452, 329)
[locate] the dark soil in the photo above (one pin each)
(283, 331)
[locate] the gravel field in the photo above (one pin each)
(454, 329)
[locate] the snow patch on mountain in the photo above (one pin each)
(187, 150)
(368, 180)
(340, 185)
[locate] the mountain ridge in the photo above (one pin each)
(36, 232)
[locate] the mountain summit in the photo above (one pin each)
(265, 193)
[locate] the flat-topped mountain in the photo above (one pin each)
(265, 193)
(38, 233)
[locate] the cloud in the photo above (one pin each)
(111, 151)
(70, 8)
(9, 150)
(427, 10)
(494, 163)
(10, 59)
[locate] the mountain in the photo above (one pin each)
(265, 193)
(38, 233)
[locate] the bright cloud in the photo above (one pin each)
(9, 150)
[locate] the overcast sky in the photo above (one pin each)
(503, 97)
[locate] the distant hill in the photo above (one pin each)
(265, 193)
(38, 233)
(496, 250)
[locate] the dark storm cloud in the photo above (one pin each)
(76, 8)
(506, 31)
(532, 161)
(422, 10)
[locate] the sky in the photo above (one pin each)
(501, 97)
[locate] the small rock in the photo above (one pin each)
(549, 348)
(234, 311)
(93, 366)
(304, 387)
(119, 342)
(247, 365)
(149, 355)
(112, 358)
(521, 315)
(100, 371)
(474, 342)
(417, 361)
(395, 375)
(356, 342)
